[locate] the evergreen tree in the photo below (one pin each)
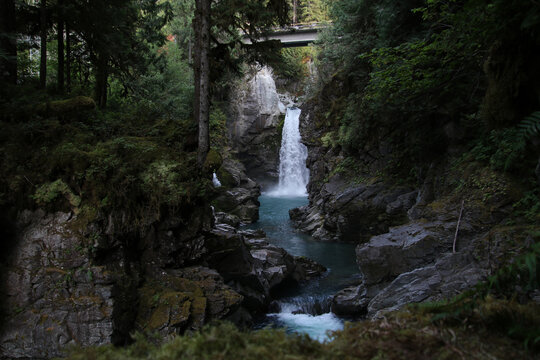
(119, 35)
(43, 48)
(8, 42)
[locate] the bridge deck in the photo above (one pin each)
(295, 36)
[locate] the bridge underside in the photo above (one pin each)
(292, 39)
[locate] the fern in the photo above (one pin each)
(530, 126)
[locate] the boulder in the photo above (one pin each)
(403, 249)
(253, 267)
(351, 301)
(448, 276)
(310, 268)
(225, 218)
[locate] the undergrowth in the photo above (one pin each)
(118, 159)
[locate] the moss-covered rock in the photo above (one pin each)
(65, 107)
(180, 300)
(49, 193)
(213, 161)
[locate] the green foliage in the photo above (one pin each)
(348, 167)
(48, 193)
(218, 128)
(328, 140)
(111, 160)
(222, 341)
(528, 207)
(397, 336)
(163, 91)
(530, 126)
(410, 68)
(162, 180)
(503, 149)
(309, 11)
(293, 66)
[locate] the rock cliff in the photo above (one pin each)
(257, 113)
(68, 282)
(405, 230)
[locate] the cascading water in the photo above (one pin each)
(305, 309)
(293, 173)
(215, 180)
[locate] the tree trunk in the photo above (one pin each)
(60, 40)
(294, 11)
(102, 73)
(68, 59)
(8, 41)
(43, 34)
(202, 80)
(197, 62)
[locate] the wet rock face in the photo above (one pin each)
(449, 275)
(238, 200)
(254, 126)
(54, 295)
(353, 213)
(253, 267)
(403, 249)
(341, 208)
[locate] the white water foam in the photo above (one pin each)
(293, 173)
(215, 180)
(316, 326)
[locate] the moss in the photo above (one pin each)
(198, 310)
(48, 193)
(159, 318)
(231, 297)
(403, 335)
(226, 178)
(213, 161)
(159, 307)
(86, 215)
(61, 107)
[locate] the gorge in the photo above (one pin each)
(174, 186)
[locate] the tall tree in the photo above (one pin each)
(68, 58)
(202, 76)
(43, 35)
(8, 42)
(60, 40)
(119, 36)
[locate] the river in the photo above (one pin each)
(306, 308)
(314, 296)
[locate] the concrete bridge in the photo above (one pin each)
(294, 36)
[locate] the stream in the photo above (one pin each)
(313, 298)
(306, 308)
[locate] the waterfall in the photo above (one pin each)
(215, 180)
(309, 315)
(293, 173)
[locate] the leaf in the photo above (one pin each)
(530, 126)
